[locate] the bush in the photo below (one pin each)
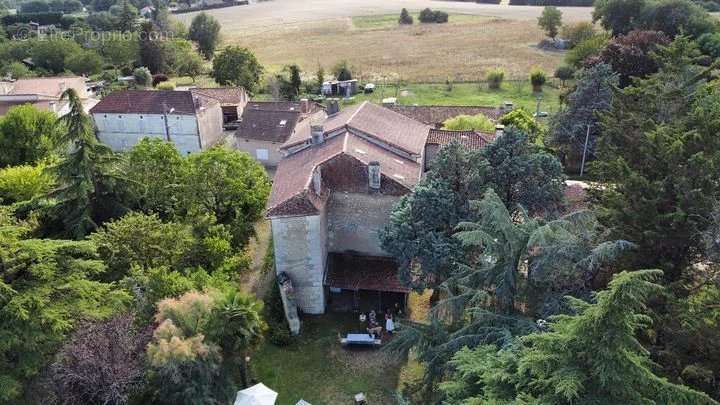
(158, 78)
(590, 47)
(495, 78)
(537, 78)
(429, 16)
(441, 17)
(578, 32)
(710, 44)
(23, 183)
(142, 76)
(405, 17)
(564, 73)
(477, 122)
(166, 86)
(278, 329)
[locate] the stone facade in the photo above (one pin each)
(301, 252)
(354, 220)
(266, 152)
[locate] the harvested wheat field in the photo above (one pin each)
(378, 47)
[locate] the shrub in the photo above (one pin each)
(142, 76)
(564, 73)
(477, 122)
(405, 17)
(278, 329)
(537, 78)
(590, 47)
(158, 78)
(426, 16)
(441, 17)
(22, 183)
(495, 78)
(166, 86)
(578, 32)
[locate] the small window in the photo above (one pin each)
(141, 117)
(261, 154)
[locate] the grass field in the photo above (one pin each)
(520, 93)
(377, 46)
(319, 370)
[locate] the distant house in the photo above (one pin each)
(191, 121)
(436, 115)
(44, 93)
(232, 102)
(266, 125)
(344, 88)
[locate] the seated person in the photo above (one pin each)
(374, 329)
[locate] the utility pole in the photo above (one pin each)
(587, 138)
(165, 118)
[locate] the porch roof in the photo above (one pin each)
(358, 272)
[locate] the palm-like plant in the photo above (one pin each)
(237, 327)
(87, 175)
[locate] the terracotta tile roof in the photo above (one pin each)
(356, 272)
(435, 115)
(224, 95)
(267, 125)
(291, 192)
(282, 106)
(471, 139)
(151, 102)
(48, 86)
(375, 122)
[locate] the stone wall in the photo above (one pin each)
(251, 146)
(300, 251)
(354, 220)
(210, 125)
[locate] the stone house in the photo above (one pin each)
(266, 125)
(45, 93)
(331, 195)
(192, 122)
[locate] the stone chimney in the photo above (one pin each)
(499, 130)
(304, 106)
(332, 106)
(374, 175)
(317, 132)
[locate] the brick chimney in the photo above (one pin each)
(374, 175)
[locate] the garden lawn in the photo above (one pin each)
(316, 368)
(476, 94)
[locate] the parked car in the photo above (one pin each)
(369, 88)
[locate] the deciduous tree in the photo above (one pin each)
(205, 31)
(235, 66)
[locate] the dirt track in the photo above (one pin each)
(266, 15)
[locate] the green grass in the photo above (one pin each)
(390, 20)
(319, 370)
(476, 94)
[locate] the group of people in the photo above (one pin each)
(374, 329)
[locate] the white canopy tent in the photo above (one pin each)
(258, 394)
